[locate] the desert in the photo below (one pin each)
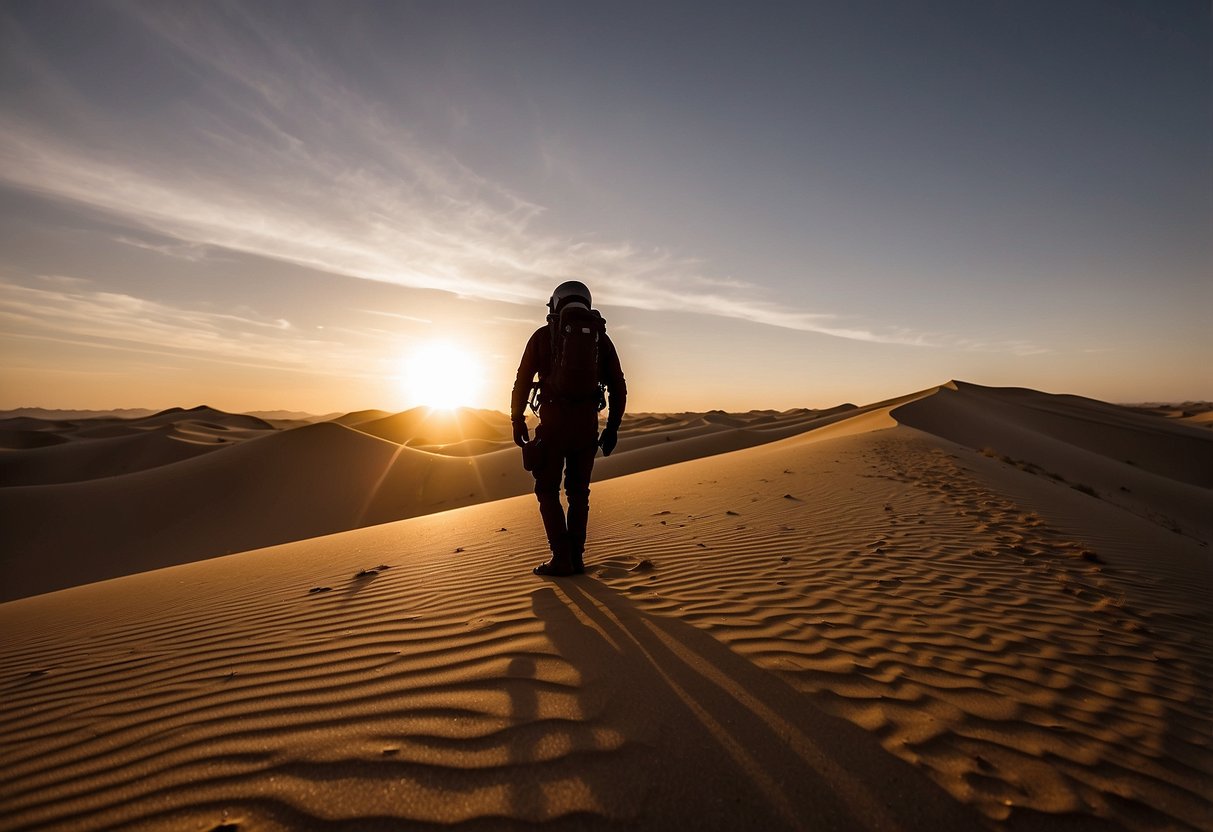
(967, 607)
(640, 415)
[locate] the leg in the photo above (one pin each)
(577, 491)
(547, 491)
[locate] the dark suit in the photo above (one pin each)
(568, 431)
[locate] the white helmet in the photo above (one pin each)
(567, 292)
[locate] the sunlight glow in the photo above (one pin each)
(441, 375)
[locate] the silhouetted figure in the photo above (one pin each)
(575, 360)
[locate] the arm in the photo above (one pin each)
(527, 368)
(611, 373)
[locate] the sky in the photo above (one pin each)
(268, 205)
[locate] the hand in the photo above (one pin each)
(608, 440)
(521, 434)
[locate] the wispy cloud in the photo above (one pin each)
(77, 315)
(192, 252)
(276, 157)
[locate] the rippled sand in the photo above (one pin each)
(896, 620)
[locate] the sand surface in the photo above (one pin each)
(961, 609)
(88, 499)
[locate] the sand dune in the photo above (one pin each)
(1159, 470)
(288, 485)
(43, 452)
(291, 416)
(868, 625)
(1199, 414)
(110, 456)
(22, 439)
(158, 494)
(424, 426)
(359, 416)
(1171, 450)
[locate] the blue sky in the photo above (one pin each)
(270, 205)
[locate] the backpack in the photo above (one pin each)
(573, 374)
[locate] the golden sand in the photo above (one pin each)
(966, 608)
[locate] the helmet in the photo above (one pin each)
(570, 290)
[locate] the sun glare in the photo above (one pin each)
(441, 375)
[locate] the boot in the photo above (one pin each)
(559, 566)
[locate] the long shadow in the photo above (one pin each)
(727, 744)
(526, 797)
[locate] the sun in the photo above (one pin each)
(439, 374)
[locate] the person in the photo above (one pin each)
(567, 438)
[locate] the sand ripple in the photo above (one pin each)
(1006, 659)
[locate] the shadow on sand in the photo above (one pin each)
(724, 743)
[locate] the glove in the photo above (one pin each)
(608, 440)
(521, 434)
